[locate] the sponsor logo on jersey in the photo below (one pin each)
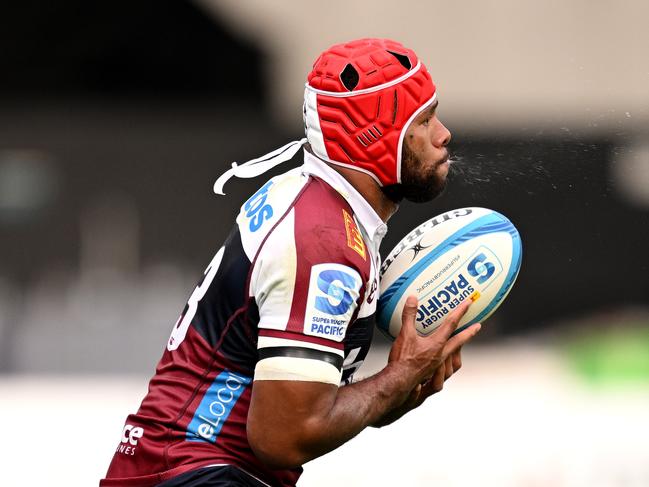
(333, 292)
(354, 237)
(130, 436)
(256, 209)
(216, 405)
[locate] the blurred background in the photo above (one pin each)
(117, 117)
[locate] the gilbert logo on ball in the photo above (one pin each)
(469, 253)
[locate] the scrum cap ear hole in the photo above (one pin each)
(349, 77)
(403, 59)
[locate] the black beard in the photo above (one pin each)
(414, 186)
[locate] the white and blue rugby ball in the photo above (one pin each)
(469, 253)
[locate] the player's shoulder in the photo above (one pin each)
(320, 202)
(267, 205)
(325, 225)
(302, 211)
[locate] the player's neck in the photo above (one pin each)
(370, 190)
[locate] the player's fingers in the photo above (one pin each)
(437, 381)
(447, 328)
(408, 315)
(456, 342)
(427, 390)
(457, 359)
(414, 396)
(448, 367)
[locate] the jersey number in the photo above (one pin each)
(181, 326)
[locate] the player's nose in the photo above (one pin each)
(441, 135)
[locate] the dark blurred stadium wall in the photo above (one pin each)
(117, 117)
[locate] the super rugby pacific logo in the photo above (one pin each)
(481, 268)
(333, 293)
(469, 283)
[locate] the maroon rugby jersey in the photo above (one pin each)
(291, 295)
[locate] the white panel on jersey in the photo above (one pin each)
(273, 276)
(266, 342)
(333, 293)
(263, 209)
(294, 368)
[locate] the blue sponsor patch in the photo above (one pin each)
(337, 287)
(256, 208)
(216, 405)
(334, 290)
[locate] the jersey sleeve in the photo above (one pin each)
(307, 288)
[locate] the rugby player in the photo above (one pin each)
(257, 376)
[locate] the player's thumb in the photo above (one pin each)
(409, 313)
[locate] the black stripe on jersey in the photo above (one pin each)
(227, 299)
(302, 352)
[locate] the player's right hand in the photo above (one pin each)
(425, 359)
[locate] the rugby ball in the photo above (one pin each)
(469, 253)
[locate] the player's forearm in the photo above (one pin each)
(391, 416)
(289, 437)
(357, 406)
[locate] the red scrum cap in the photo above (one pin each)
(359, 98)
(358, 101)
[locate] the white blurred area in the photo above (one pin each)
(514, 416)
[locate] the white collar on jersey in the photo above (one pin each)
(368, 218)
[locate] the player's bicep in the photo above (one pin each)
(283, 417)
(274, 401)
